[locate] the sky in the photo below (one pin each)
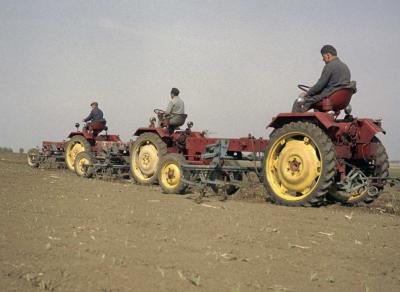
(236, 63)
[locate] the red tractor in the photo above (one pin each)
(313, 155)
(159, 153)
(83, 149)
(87, 152)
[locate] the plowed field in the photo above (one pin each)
(59, 232)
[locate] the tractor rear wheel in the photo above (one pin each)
(73, 147)
(170, 174)
(33, 157)
(299, 165)
(379, 167)
(145, 157)
(84, 164)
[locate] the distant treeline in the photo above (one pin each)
(6, 149)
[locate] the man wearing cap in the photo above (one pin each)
(96, 114)
(335, 75)
(175, 112)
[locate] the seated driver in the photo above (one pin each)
(175, 112)
(96, 114)
(335, 75)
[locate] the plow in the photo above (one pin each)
(222, 169)
(51, 155)
(309, 157)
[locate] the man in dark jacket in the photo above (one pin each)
(96, 114)
(335, 75)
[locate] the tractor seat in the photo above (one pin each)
(336, 102)
(97, 126)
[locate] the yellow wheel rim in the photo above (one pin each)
(32, 159)
(72, 152)
(293, 166)
(145, 161)
(81, 166)
(170, 175)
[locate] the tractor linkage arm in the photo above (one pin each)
(356, 180)
(216, 174)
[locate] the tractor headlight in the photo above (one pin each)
(348, 109)
(378, 122)
(300, 100)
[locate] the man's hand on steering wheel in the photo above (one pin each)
(304, 88)
(159, 112)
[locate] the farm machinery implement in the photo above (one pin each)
(310, 157)
(51, 154)
(222, 166)
(356, 182)
(110, 159)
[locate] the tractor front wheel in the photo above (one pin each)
(73, 147)
(33, 156)
(170, 174)
(84, 164)
(145, 157)
(299, 165)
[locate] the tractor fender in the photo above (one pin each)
(86, 135)
(368, 128)
(159, 131)
(72, 134)
(324, 119)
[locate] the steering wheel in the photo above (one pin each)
(303, 87)
(159, 112)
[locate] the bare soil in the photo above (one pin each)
(59, 232)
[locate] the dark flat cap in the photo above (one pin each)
(328, 49)
(175, 91)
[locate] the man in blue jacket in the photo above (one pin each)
(334, 76)
(96, 114)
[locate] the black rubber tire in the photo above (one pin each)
(137, 173)
(69, 155)
(327, 156)
(381, 169)
(171, 159)
(33, 157)
(89, 171)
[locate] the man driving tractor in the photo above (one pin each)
(175, 112)
(335, 75)
(96, 114)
